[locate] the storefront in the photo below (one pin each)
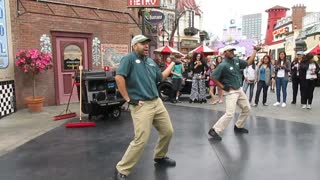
(187, 45)
(72, 32)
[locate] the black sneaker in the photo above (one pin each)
(293, 102)
(173, 101)
(119, 176)
(165, 161)
(214, 135)
(240, 130)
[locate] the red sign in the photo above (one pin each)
(143, 3)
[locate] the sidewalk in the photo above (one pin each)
(23, 126)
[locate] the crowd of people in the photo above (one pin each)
(266, 75)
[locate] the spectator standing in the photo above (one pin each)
(295, 65)
(264, 74)
(177, 77)
(282, 77)
(211, 83)
(273, 79)
(308, 74)
(168, 61)
(198, 89)
(249, 79)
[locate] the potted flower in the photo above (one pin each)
(33, 62)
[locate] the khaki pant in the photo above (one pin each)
(150, 113)
(233, 98)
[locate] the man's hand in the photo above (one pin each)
(257, 48)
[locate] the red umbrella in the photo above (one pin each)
(204, 50)
(315, 50)
(167, 50)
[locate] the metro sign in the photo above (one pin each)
(143, 3)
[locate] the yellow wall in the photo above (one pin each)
(8, 72)
(312, 41)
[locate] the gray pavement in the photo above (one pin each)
(23, 126)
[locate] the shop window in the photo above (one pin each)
(71, 57)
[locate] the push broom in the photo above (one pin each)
(81, 123)
(67, 113)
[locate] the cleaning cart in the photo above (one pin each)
(99, 94)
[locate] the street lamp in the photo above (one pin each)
(162, 32)
(202, 36)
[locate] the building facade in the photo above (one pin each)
(7, 82)
(274, 14)
(286, 32)
(91, 32)
(251, 26)
(189, 22)
(311, 29)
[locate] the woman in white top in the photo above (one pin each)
(282, 77)
(249, 78)
(308, 76)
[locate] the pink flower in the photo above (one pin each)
(33, 61)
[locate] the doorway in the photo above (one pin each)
(69, 51)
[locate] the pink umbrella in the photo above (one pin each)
(315, 50)
(204, 50)
(167, 50)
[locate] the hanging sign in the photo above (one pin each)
(155, 17)
(143, 3)
(4, 57)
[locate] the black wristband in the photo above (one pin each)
(133, 102)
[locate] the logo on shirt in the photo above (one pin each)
(138, 61)
(231, 68)
(237, 64)
(153, 65)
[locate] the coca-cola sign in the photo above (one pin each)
(143, 3)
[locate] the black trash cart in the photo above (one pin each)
(99, 94)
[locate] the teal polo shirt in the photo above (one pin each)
(142, 75)
(177, 69)
(229, 72)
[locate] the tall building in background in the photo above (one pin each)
(251, 26)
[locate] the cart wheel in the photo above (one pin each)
(115, 113)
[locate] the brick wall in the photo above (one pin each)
(27, 29)
(298, 12)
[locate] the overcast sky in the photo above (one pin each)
(218, 13)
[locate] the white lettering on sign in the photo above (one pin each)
(143, 2)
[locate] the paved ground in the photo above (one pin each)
(274, 149)
(22, 126)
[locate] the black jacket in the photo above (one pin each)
(304, 65)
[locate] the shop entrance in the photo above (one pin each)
(69, 52)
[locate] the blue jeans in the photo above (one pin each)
(281, 83)
(261, 85)
(245, 88)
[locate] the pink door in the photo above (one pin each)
(70, 52)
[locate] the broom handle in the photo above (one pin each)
(74, 81)
(80, 68)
